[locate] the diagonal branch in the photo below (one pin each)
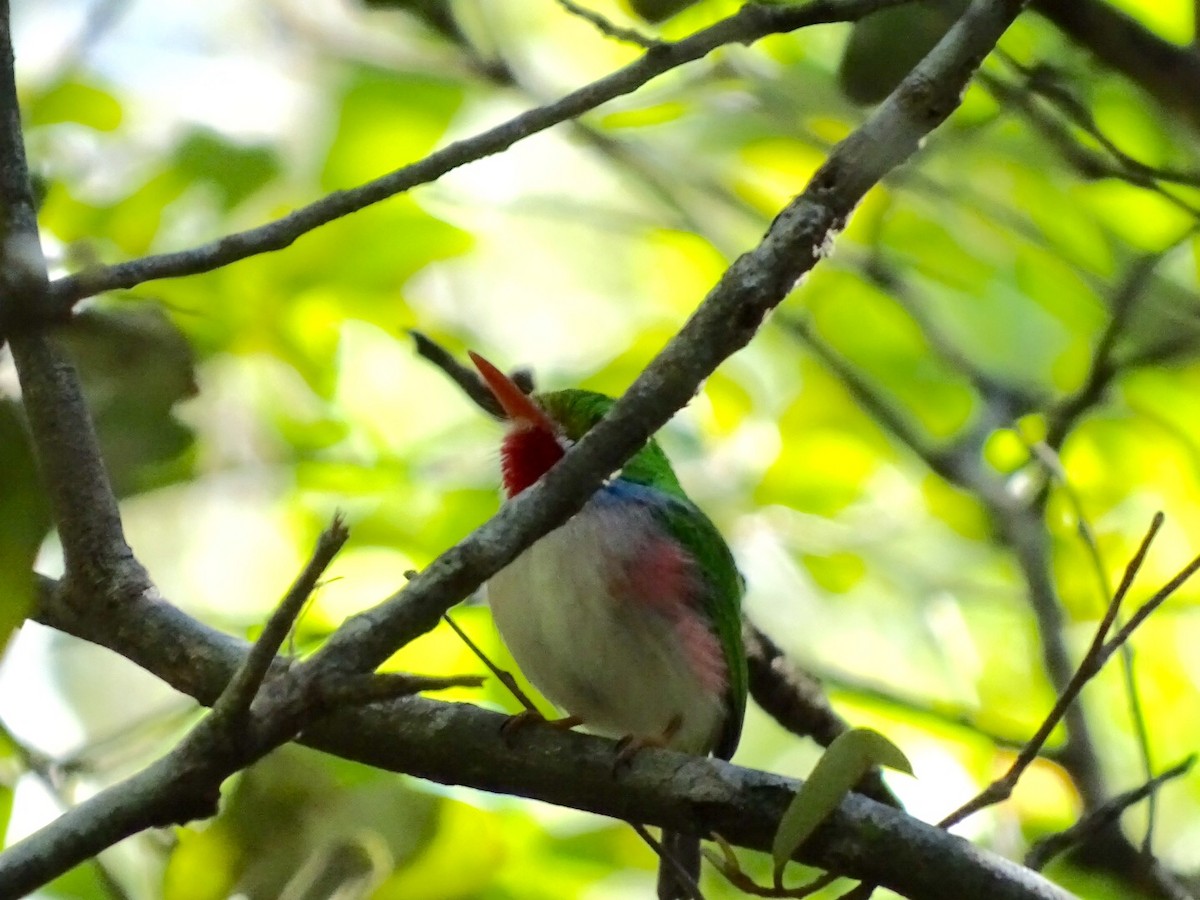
(1167, 71)
(1094, 659)
(1104, 817)
(725, 322)
(750, 23)
(235, 700)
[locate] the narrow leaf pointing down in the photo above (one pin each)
(845, 761)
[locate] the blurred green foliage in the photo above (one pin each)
(969, 293)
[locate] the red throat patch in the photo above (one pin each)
(526, 454)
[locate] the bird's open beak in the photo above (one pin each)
(517, 405)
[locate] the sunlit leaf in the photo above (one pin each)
(442, 871)
(24, 519)
(387, 120)
(850, 756)
(202, 866)
(1174, 21)
(74, 101)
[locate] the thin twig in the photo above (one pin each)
(1053, 463)
(609, 29)
(245, 684)
(465, 376)
(504, 677)
(1103, 368)
(1088, 163)
(729, 867)
(1045, 82)
(751, 22)
(1098, 819)
(1098, 652)
(341, 692)
(667, 859)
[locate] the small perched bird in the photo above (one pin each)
(628, 616)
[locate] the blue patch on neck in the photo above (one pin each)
(621, 490)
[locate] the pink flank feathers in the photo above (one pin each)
(662, 576)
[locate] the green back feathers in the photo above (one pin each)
(722, 604)
(578, 410)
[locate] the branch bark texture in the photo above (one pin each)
(455, 743)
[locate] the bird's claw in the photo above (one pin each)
(528, 717)
(632, 744)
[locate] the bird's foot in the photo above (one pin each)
(522, 720)
(632, 744)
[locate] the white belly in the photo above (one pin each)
(616, 663)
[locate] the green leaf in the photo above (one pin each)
(24, 520)
(135, 366)
(875, 61)
(202, 866)
(386, 120)
(658, 10)
(235, 169)
(73, 101)
(845, 761)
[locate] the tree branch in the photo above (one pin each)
(662, 788)
(235, 700)
(248, 719)
(1093, 660)
(1103, 817)
(1167, 71)
(749, 24)
(455, 743)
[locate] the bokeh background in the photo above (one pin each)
(873, 456)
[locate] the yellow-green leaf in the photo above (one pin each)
(74, 101)
(845, 761)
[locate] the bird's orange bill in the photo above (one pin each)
(517, 405)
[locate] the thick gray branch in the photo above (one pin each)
(454, 743)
